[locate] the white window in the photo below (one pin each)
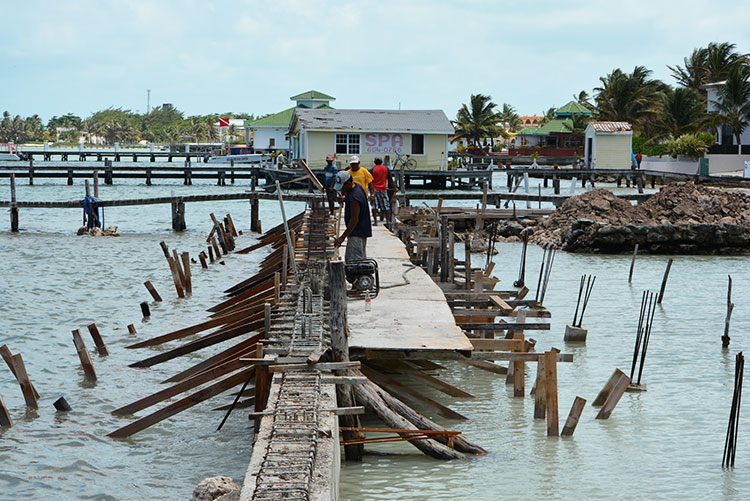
(417, 144)
(347, 144)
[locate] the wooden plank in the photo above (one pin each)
(550, 377)
(183, 404)
(607, 389)
(487, 366)
(516, 326)
(618, 389)
(323, 366)
(410, 395)
(23, 380)
(432, 381)
(8, 357)
(311, 175)
(498, 344)
(186, 270)
(98, 341)
(519, 373)
(152, 290)
(504, 307)
(187, 384)
(195, 329)
(199, 344)
(509, 355)
(83, 355)
(575, 413)
(245, 347)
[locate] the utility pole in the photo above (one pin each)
(148, 101)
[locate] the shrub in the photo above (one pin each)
(690, 145)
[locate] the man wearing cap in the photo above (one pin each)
(361, 176)
(356, 216)
(330, 171)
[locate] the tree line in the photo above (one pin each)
(163, 124)
(661, 114)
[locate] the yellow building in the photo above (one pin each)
(609, 145)
(420, 134)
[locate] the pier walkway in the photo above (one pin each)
(412, 316)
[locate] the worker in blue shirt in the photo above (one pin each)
(330, 171)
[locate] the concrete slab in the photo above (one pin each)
(409, 317)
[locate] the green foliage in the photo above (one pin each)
(630, 97)
(642, 146)
(478, 120)
(690, 145)
(734, 100)
(682, 112)
(708, 64)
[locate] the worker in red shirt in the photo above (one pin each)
(381, 180)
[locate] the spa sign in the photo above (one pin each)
(384, 143)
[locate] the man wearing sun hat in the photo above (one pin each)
(330, 171)
(356, 216)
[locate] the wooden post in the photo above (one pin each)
(180, 271)
(575, 413)
(550, 376)
(131, 330)
(27, 388)
(276, 287)
(730, 308)
(62, 405)
(216, 249)
(467, 263)
(98, 341)
(87, 186)
(444, 248)
(540, 394)
(518, 372)
(5, 419)
(96, 184)
(202, 258)
(145, 309)
(632, 264)
(188, 276)
(175, 277)
(284, 265)
(267, 320)
(83, 355)
(7, 355)
(13, 206)
(254, 215)
(340, 350)
(164, 249)
(664, 281)
(152, 290)
(451, 257)
(231, 225)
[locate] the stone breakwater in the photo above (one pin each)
(683, 218)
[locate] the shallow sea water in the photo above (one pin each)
(665, 443)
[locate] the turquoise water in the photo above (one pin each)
(665, 443)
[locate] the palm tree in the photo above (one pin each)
(212, 133)
(733, 105)
(707, 64)
(634, 97)
(547, 116)
(576, 125)
(683, 112)
(478, 120)
(509, 118)
(197, 128)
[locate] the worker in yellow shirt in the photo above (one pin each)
(361, 176)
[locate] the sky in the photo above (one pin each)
(80, 56)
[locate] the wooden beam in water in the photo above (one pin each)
(183, 404)
(487, 366)
(187, 384)
(23, 380)
(83, 355)
(240, 349)
(406, 368)
(8, 357)
(618, 389)
(550, 388)
(5, 419)
(409, 394)
(101, 348)
(575, 413)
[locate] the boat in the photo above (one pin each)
(236, 154)
(9, 151)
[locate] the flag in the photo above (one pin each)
(223, 122)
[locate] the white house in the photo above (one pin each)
(724, 133)
(608, 145)
(269, 132)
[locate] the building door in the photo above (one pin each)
(589, 151)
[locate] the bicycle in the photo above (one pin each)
(409, 163)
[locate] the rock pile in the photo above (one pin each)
(216, 489)
(681, 218)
